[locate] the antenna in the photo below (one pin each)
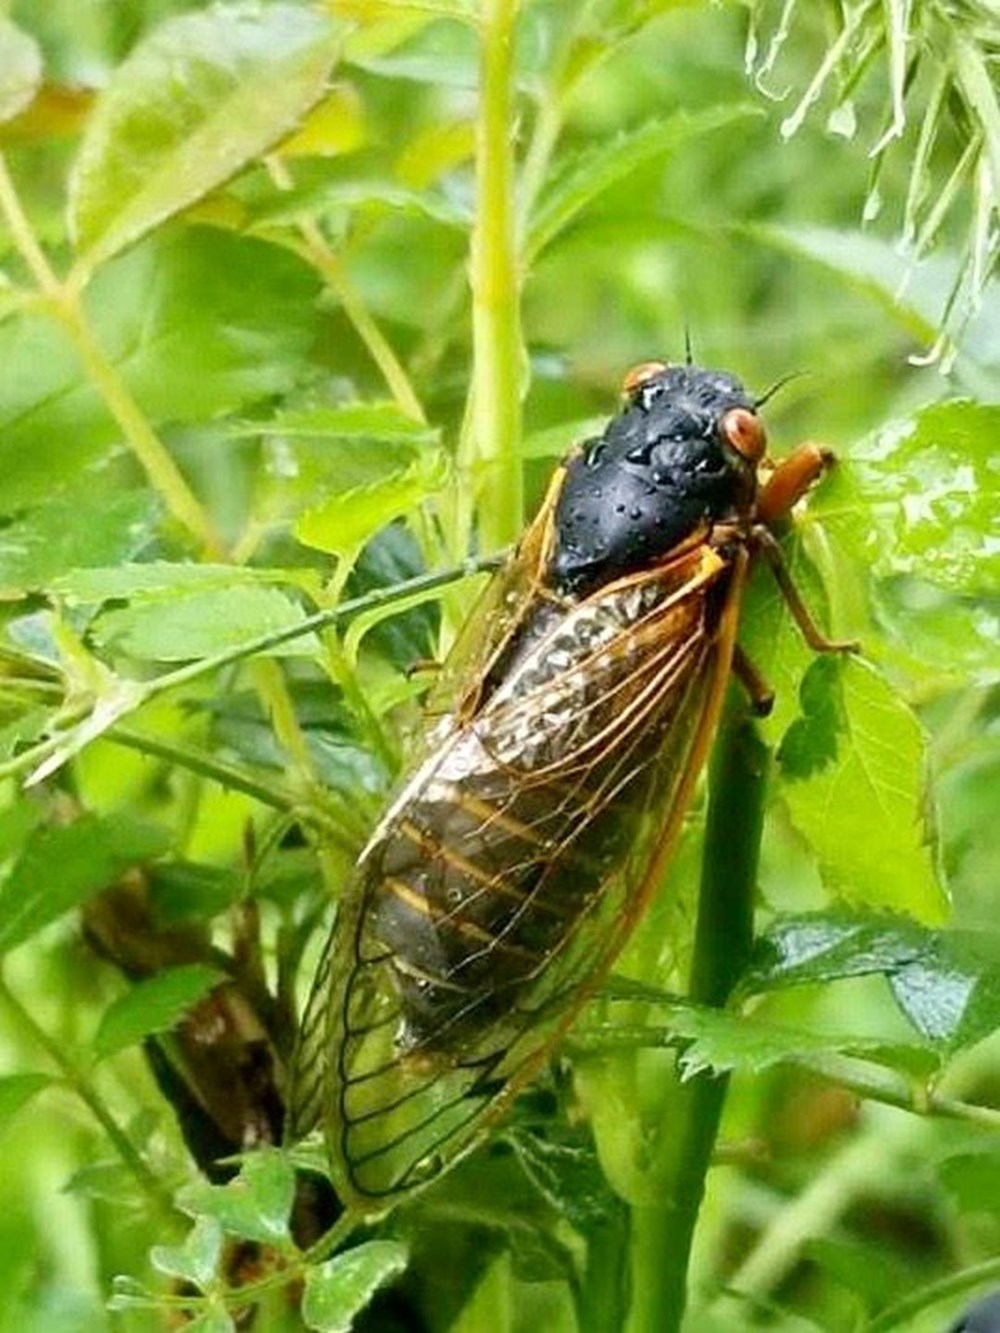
(779, 384)
(688, 357)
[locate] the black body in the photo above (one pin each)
(658, 473)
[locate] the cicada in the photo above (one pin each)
(525, 843)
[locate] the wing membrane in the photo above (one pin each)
(501, 883)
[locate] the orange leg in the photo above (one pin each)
(766, 542)
(790, 480)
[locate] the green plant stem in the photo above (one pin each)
(816, 1210)
(76, 1079)
(66, 304)
(490, 448)
(315, 250)
(900, 1314)
(229, 775)
(23, 236)
(142, 694)
(723, 937)
(319, 254)
(545, 136)
(163, 473)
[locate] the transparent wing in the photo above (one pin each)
(503, 605)
(504, 880)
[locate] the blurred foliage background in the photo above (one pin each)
(236, 351)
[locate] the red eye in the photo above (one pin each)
(640, 374)
(745, 432)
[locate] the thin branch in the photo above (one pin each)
(492, 429)
(77, 1080)
(315, 250)
(663, 1233)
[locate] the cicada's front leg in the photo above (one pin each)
(790, 480)
(787, 484)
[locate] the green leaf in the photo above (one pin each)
(442, 55)
(951, 993)
(345, 521)
(189, 890)
(197, 1259)
(977, 79)
(721, 1041)
(351, 196)
(946, 982)
(915, 296)
(155, 1004)
(375, 420)
(61, 867)
(110, 1182)
(826, 946)
(197, 323)
(812, 741)
(919, 498)
(603, 166)
(314, 452)
(862, 805)
(73, 530)
(872, 266)
(212, 1321)
(850, 1263)
(20, 69)
(570, 1178)
(157, 580)
(128, 1294)
(199, 624)
(16, 1090)
(973, 1179)
(196, 100)
(343, 1286)
(255, 1205)
(556, 441)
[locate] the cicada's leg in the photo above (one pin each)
(759, 692)
(790, 480)
(765, 542)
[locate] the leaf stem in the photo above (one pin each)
(723, 937)
(895, 1316)
(492, 430)
(230, 775)
(23, 236)
(78, 1081)
(317, 621)
(164, 475)
(854, 1074)
(331, 267)
(315, 249)
(102, 717)
(65, 302)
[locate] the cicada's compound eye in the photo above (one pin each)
(744, 430)
(640, 375)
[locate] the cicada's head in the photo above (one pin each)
(681, 455)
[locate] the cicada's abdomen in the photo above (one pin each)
(486, 869)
